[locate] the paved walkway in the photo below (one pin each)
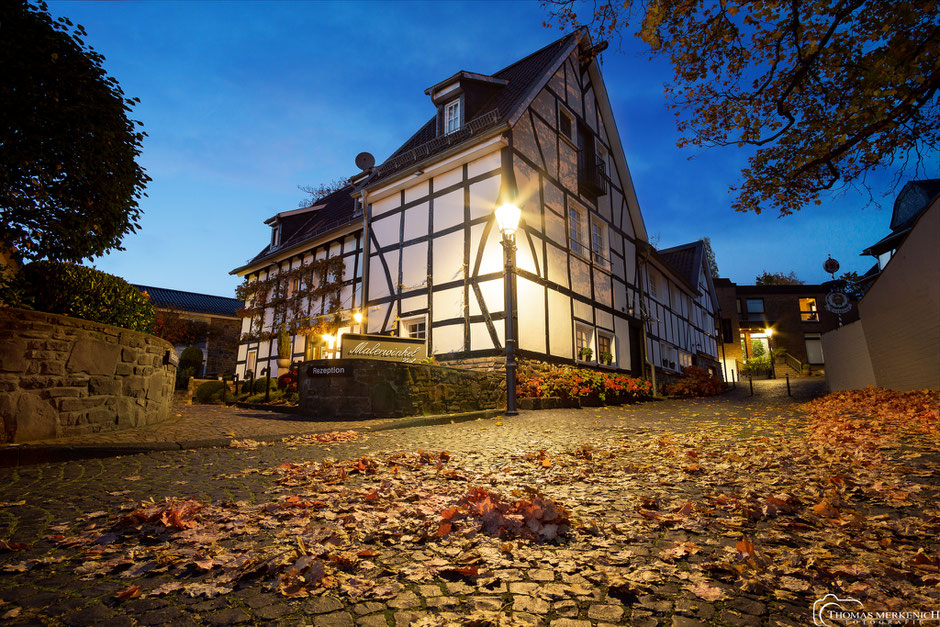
(660, 495)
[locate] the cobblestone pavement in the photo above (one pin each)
(565, 583)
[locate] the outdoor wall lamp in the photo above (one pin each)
(358, 317)
(507, 219)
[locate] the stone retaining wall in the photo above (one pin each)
(364, 388)
(62, 376)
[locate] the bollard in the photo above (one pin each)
(750, 380)
(235, 385)
(788, 385)
(734, 384)
(267, 384)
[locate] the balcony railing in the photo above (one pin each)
(592, 175)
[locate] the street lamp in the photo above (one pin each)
(507, 219)
(769, 332)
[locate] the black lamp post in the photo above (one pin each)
(507, 218)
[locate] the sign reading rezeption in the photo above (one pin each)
(404, 350)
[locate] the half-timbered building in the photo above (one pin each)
(423, 255)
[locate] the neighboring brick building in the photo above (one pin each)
(210, 323)
(796, 313)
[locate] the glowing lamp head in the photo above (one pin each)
(507, 218)
(357, 317)
(769, 332)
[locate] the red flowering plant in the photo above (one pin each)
(694, 382)
(541, 380)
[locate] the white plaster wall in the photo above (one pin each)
(492, 260)
(494, 297)
(448, 304)
(447, 258)
(414, 192)
(622, 344)
(414, 266)
(445, 180)
(414, 303)
(557, 265)
(483, 197)
(378, 284)
(416, 221)
(531, 315)
(385, 205)
(447, 339)
(387, 230)
(448, 210)
(559, 325)
(484, 164)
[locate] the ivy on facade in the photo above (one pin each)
(292, 295)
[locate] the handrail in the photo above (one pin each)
(793, 362)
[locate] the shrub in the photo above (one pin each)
(544, 380)
(694, 382)
(258, 386)
(73, 290)
(182, 377)
(213, 392)
(191, 357)
(287, 381)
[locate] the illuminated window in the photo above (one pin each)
(582, 343)
(605, 349)
(251, 361)
(808, 311)
(451, 117)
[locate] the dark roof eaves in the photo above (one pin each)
(305, 243)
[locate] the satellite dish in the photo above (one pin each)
(365, 160)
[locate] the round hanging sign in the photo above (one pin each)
(838, 302)
(831, 265)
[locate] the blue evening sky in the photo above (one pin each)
(244, 101)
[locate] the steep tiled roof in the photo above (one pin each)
(164, 298)
(686, 260)
(330, 212)
(521, 75)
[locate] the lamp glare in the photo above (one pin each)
(507, 218)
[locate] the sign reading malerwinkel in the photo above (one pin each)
(383, 348)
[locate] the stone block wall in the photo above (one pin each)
(62, 376)
(363, 388)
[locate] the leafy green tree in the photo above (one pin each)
(69, 179)
(824, 91)
(777, 278)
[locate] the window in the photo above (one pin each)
(808, 311)
(566, 123)
(814, 351)
(416, 328)
(582, 343)
(754, 308)
(451, 117)
(293, 286)
(599, 249)
(576, 230)
(653, 281)
(726, 331)
(251, 362)
(605, 349)
(275, 235)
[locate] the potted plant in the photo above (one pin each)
(806, 370)
(283, 348)
(585, 353)
(606, 358)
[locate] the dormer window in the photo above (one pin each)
(451, 117)
(275, 235)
